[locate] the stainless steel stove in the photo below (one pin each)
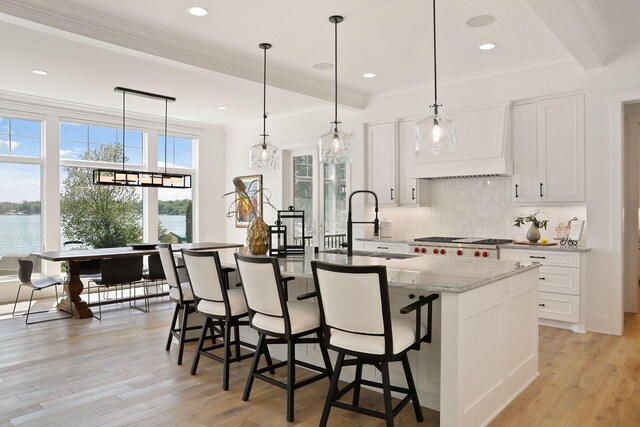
(458, 247)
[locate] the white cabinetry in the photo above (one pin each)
(560, 285)
(386, 143)
(548, 150)
(381, 246)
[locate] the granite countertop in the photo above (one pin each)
(547, 248)
(420, 273)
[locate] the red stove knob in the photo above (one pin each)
(485, 254)
(435, 251)
(416, 249)
(476, 253)
(442, 251)
(423, 250)
(459, 252)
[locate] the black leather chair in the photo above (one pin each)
(370, 335)
(25, 270)
(116, 272)
(154, 275)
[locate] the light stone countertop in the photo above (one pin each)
(419, 273)
(371, 239)
(557, 248)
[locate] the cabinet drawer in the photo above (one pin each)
(560, 280)
(397, 248)
(546, 257)
(561, 307)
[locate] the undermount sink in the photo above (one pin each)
(370, 254)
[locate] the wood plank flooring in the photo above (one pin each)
(116, 372)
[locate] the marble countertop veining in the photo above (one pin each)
(420, 273)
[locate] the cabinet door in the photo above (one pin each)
(411, 191)
(561, 149)
(381, 156)
(525, 153)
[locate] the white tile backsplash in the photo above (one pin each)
(472, 207)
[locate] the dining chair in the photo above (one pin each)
(370, 335)
(25, 270)
(225, 308)
(116, 272)
(154, 274)
(279, 321)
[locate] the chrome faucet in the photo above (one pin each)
(350, 222)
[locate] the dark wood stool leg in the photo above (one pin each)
(333, 387)
(386, 391)
(227, 354)
(254, 366)
(358, 379)
(291, 377)
(325, 355)
(412, 388)
(173, 326)
(236, 336)
(203, 334)
(183, 331)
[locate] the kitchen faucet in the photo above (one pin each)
(350, 222)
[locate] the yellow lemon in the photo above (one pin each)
(544, 241)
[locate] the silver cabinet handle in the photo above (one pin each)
(537, 257)
(392, 194)
(542, 305)
(413, 194)
(541, 190)
(542, 278)
(516, 191)
(382, 247)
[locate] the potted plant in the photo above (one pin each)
(258, 230)
(533, 234)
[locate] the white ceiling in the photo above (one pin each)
(90, 46)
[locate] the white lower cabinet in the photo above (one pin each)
(381, 246)
(560, 285)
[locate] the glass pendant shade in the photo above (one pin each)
(263, 155)
(435, 135)
(335, 146)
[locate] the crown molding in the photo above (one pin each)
(559, 63)
(97, 26)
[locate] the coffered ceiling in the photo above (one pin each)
(211, 61)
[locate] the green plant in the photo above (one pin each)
(539, 223)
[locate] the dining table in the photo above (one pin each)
(72, 301)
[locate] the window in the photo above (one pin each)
(20, 193)
(99, 143)
(19, 137)
(179, 152)
(320, 190)
(175, 216)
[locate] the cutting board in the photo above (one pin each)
(535, 244)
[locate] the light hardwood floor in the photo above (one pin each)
(116, 372)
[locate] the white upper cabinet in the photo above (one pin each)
(548, 150)
(482, 149)
(381, 162)
(389, 145)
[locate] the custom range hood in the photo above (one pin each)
(483, 146)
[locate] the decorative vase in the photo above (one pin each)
(533, 235)
(258, 236)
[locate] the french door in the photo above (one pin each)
(321, 190)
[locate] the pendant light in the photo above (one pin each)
(129, 178)
(335, 146)
(436, 134)
(264, 154)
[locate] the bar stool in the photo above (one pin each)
(282, 321)
(370, 335)
(180, 293)
(221, 306)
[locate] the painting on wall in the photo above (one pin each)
(244, 211)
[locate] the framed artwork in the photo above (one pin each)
(244, 212)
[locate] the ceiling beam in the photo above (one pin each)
(578, 25)
(108, 30)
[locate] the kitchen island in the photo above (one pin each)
(484, 350)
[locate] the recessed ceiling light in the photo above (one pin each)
(40, 72)
(223, 108)
(369, 75)
(487, 46)
(323, 66)
(480, 21)
(197, 11)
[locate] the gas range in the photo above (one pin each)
(458, 247)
